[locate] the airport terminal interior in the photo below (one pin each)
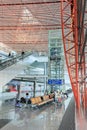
(43, 65)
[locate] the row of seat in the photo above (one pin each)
(41, 100)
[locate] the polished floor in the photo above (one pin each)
(81, 119)
(47, 117)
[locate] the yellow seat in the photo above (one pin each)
(33, 101)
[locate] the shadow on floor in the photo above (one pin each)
(3, 122)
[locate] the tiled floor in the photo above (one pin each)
(46, 118)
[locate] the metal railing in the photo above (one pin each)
(13, 59)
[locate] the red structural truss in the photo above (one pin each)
(73, 19)
(70, 40)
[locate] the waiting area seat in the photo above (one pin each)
(41, 100)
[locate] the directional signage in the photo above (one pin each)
(55, 81)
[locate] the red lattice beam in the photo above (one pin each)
(70, 40)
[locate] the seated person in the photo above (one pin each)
(23, 100)
(27, 99)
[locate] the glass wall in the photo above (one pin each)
(56, 59)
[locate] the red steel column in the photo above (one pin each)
(70, 40)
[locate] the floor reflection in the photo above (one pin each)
(81, 119)
(47, 117)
